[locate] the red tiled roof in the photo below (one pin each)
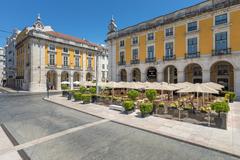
(70, 38)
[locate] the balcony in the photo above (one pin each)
(77, 68)
(121, 63)
(221, 52)
(52, 65)
(90, 68)
(135, 61)
(169, 58)
(65, 66)
(192, 55)
(151, 60)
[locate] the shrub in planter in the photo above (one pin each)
(82, 89)
(64, 87)
(220, 107)
(151, 94)
(128, 106)
(232, 96)
(133, 94)
(86, 98)
(146, 108)
(77, 96)
(92, 90)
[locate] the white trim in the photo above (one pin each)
(169, 41)
(189, 37)
(132, 52)
(220, 31)
(149, 45)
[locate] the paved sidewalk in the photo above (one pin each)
(6, 143)
(222, 140)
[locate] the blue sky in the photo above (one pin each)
(84, 19)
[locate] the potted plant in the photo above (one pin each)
(82, 90)
(64, 90)
(222, 108)
(151, 94)
(93, 91)
(70, 94)
(133, 94)
(128, 106)
(86, 98)
(77, 96)
(146, 109)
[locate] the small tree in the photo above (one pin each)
(220, 107)
(64, 87)
(151, 94)
(146, 108)
(92, 90)
(133, 94)
(82, 89)
(128, 105)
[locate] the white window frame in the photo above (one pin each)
(49, 58)
(64, 51)
(50, 47)
(67, 60)
(132, 52)
(154, 50)
(169, 41)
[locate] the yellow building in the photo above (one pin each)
(197, 44)
(45, 56)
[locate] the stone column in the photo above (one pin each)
(160, 77)
(237, 82)
(181, 76)
(71, 80)
(59, 82)
(143, 77)
(206, 76)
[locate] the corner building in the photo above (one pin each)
(45, 56)
(197, 44)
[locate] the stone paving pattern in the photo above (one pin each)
(219, 139)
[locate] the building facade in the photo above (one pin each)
(2, 67)
(11, 59)
(197, 44)
(45, 56)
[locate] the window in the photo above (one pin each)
(65, 50)
(122, 43)
(135, 54)
(192, 46)
(103, 75)
(89, 62)
(122, 57)
(221, 19)
(223, 70)
(103, 66)
(52, 59)
(192, 26)
(169, 49)
(76, 51)
(65, 60)
(77, 62)
(135, 40)
(150, 36)
(52, 47)
(150, 51)
(169, 32)
(221, 41)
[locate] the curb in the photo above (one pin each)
(21, 152)
(146, 130)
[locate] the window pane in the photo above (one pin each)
(221, 19)
(192, 46)
(192, 26)
(151, 52)
(221, 41)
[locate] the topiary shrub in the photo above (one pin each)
(133, 94)
(92, 90)
(64, 87)
(146, 108)
(151, 94)
(77, 96)
(128, 105)
(220, 107)
(86, 98)
(82, 89)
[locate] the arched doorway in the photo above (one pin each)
(152, 74)
(88, 77)
(136, 75)
(123, 75)
(222, 72)
(64, 76)
(193, 73)
(52, 80)
(76, 77)
(170, 74)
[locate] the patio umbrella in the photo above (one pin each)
(65, 82)
(198, 88)
(76, 83)
(214, 86)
